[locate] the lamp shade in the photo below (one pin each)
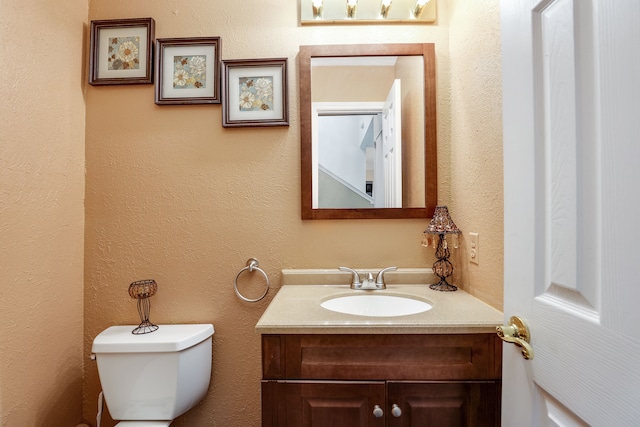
(441, 223)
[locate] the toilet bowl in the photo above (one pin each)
(149, 380)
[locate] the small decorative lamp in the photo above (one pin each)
(441, 225)
(142, 290)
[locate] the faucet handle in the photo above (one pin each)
(380, 277)
(355, 281)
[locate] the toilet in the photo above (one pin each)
(149, 380)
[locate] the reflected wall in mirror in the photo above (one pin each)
(368, 131)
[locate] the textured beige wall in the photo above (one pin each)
(171, 195)
(335, 84)
(476, 143)
(41, 211)
(412, 130)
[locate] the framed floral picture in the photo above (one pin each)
(255, 92)
(121, 51)
(188, 70)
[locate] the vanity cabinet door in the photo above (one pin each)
(322, 404)
(337, 380)
(448, 404)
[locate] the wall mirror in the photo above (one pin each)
(368, 131)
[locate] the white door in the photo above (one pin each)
(571, 93)
(392, 148)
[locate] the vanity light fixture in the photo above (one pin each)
(441, 225)
(351, 8)
(367, 12)
(384, 8)
(316, 5)
(419, 7)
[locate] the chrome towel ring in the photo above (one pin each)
(252, 264)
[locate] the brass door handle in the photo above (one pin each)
(517, 333)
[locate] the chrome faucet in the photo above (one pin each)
(380, 277)
(355, 281)
(369, 283)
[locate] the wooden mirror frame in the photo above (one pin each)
(427, 51)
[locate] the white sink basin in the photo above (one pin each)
(373, 305)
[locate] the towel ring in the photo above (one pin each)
(252, 264)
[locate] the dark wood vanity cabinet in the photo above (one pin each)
(381, 380)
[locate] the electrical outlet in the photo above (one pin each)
(474, 248)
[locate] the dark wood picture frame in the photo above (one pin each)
(187, 71)
(255, 92)
(121, 51)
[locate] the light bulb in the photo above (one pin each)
(316, 5)
(384, 8)
(351, 8)
(419, 7)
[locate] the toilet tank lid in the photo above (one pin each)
(167, 338)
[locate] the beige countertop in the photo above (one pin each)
(296, 310)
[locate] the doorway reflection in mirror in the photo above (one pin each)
(360, 162)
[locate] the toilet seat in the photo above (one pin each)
(143, 424)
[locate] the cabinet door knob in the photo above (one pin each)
(377, 411)
(395, 410)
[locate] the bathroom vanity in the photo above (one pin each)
(441, 367)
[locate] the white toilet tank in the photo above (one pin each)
(154, 376)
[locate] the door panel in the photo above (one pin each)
(391, 153)
(571, 135)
